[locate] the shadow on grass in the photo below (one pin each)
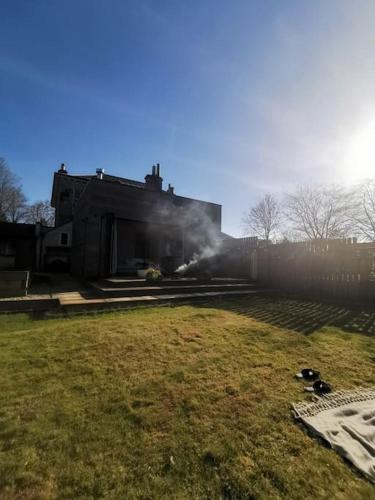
(300, 315)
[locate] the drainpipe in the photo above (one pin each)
(113, 266)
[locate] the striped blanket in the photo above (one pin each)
(346, 420)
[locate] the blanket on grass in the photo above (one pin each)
(346, 420)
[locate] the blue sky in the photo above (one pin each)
(232, 98)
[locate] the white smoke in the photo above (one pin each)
(200, 232)
(184, 267)
(206, 253)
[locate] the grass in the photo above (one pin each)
(184, 402)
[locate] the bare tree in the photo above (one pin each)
(13, 207)
(363, 211)
(264, 218)
(16, 205)
(12, 199)
(40, 211)
(319, 212)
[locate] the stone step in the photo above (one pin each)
(165, 290)
(76, 302)
(123, 282)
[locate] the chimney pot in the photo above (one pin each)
(99, 173)
(158, 169)
(153, 169)
(62, 169)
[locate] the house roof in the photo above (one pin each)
(124, 182)
(111, 178)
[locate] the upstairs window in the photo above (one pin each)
(63, 238)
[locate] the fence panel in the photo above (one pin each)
(339, 269)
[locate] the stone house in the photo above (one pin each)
(119, 226)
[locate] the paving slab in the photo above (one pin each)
(75, 301)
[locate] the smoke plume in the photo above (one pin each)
(199, 226)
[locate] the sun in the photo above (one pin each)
(359, 159)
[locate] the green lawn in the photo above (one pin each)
(182, 402)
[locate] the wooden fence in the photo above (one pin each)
(339, 269)
(235, 257)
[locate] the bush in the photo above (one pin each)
(153, 275)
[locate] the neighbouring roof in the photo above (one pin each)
(225, 236)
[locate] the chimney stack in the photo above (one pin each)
(170, 189)
(153, 181)
(62, 169)
(99, 173)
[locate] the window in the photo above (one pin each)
(63, 238)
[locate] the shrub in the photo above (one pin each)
(153, 275)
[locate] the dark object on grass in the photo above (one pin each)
(308, 374)
(319, 387)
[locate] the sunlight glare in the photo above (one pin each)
(359, 159)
